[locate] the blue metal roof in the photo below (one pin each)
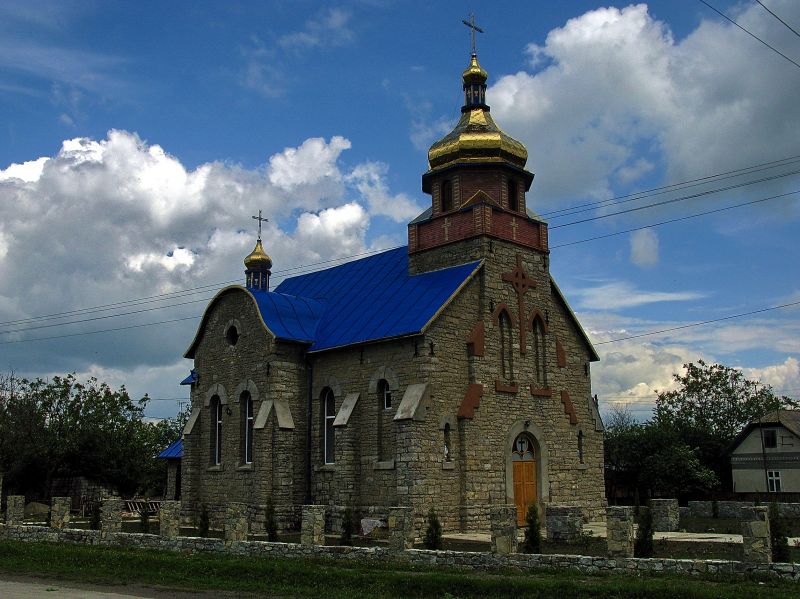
(192, 378)
(288, 316)
(366, 300)
(174, 451)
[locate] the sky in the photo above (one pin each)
(138, 139)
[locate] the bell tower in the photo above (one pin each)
(477, 182)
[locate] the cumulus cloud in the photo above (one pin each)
(644, 248)
(329, 28)
(614, 82)
(110, 220)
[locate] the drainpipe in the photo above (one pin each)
(309, 421)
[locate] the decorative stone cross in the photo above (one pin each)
(473, 27)
(260, 220)
(446, 227)
(521, 283)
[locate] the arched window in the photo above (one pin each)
(447, 450)
(523, 449)
(384, 419)
(539, 352)
(506, 347)
(328, 416)
(447, 195)
(580, 446)
(246, 407)
(216, 430)
(513, 197)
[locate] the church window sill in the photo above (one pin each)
(245, 468)
(583, 466)
(506, 388)
(384, 465)
(215, 468)
(448, 465)
(543, 392)
(325, 468)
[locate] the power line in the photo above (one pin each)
(792, 29)
(697, 324)
(753, 35)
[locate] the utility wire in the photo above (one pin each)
(753, 35)
(792, 29)
(133, 326)
(702, 322)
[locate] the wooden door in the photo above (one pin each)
(524, 487)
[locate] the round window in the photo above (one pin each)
(232, 335)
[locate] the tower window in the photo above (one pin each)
(246, 401)
(328, 416)
(447, 195)
(506, 347)
(513, 197)
(580, 446)
(216, 430)
(539, 352)
(447, 442)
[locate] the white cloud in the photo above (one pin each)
(620, 294)
(329, 28)
(644, 248)
(27, 171)
(614, 81)
(370, 180)
(334, 232)
(314, 161)
(784, 377)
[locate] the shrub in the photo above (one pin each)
(643, 547)
(777, 533)
(270, 524)
(144, 519)
(204, 523)
(94, 515)
(433, 534)
(347, 527)
(533, 531)
(715, 509)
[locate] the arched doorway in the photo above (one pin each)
(523, 458)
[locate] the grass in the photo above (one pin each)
(283, 577)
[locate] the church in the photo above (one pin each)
(449, 374)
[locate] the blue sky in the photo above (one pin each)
(138, 138)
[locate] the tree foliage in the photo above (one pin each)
(68, 428)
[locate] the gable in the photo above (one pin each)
(593, 357)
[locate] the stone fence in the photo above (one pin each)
(562, 524)
(737, 510)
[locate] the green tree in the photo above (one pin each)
(712, 404)
(533, 532)
(433, 534)
(643, 546)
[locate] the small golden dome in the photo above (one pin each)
(258, 259)
(474, 72)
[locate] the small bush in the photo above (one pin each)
(270, 523)
(144, 520)
(533, 531)
(204, 523)
(778, 536)
(643, 547)
(715, 509)
(94, 516)
(347, 528)
(433, 534)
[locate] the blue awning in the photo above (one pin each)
(174, 451)
(191, 379)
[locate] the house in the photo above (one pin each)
(765, 456)
(448, 374)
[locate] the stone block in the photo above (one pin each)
(503, 520)
(666, 514)
(313, 525)
(110, 517)
(401, 528)
(59, 512)
(619, 531)
(236, 523)
(169, 519)
(563, 522)
(15, 509)
(756, 542)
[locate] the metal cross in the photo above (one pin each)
(260, 220)
(473, 27)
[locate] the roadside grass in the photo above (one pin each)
(284, 577)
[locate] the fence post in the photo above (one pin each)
(59, 512)
(619, 531)
(401, 528)
(236, 524)
(169, 519)
(15, 509)
(110, 517)
(503, 520)
(756, 540)
(313, 525)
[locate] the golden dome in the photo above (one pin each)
(476, 137)
(258, 259)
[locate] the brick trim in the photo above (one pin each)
(569, 408)
(476, 340)
(535, 313)
(543, 392)
(471, 401)
(506, 388)
(561, 356)
(496, 315)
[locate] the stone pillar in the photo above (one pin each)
(59, 512)
(313, 525)
(169, 519)
(110, 517)
(563, 522)
(401, 528)
(15, 509)
(503, 520)
(666, 514)
(236, 524)
(619, 531)
(756, 538)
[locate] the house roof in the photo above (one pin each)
(174, 451)
(361, 301)
(789, 419)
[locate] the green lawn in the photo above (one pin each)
(274, 577)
